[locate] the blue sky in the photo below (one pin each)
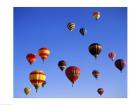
(47, 27)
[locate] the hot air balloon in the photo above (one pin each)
(27, 90)
(44, 53)
(62, 65)
(37, 78)
(96, 73)
(100, 91)
(73, 73)
(120, 64)
(96, 15)
(71, 26)
(112, 55)
(44, 83)
(31, 58)
(95, 49)
(83, 31)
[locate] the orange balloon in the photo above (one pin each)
(44, 53)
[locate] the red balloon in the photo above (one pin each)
(72, 73)
(120, 64)
(112, 55)
(31, 58)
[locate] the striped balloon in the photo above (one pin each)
(72, 73)
(71, 26)
(37, 78)
(44, 53)
(97, 15)
(95, 49)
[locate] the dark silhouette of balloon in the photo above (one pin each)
(62, 65)
(71, 26)
(73, 73)
(100, 91)
(112, 55)
(96, 15)
(27, 90)
(44, 83)
(37, 78)
(96, 73)
(44, 53)
(31, 58)
(83, 31)
(120, 64)
(95, 49)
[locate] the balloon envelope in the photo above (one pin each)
(31, 58)
(96, 73)
(62, 65)
(112, 55)
(37, 78)
(27, 90)
(100, 91)
(95, 49)
(120, 64)
(71, 26)
(44, 53)
(96, 15)
(73, 73)
(83, 31)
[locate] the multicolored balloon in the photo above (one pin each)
(120, 64)
(100, 91)
(71, 26)
(83, 31)
(112, 55)
(37, 78)
(96, 15)
(73, 73)
(31, 58)
(95, 49)
(44, 53)
(27, 90)
(62, 65)
(96, 73)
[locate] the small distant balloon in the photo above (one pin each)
(73, 73)
(31, 58)
(62, 65)
(95, 49)
(27, 90)
(120, 64)
(71, 26)
(83, 31)
(44, 53)
(44, 83)
(112, 55)
(96, 15)
(100, 91)
(96, 73)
